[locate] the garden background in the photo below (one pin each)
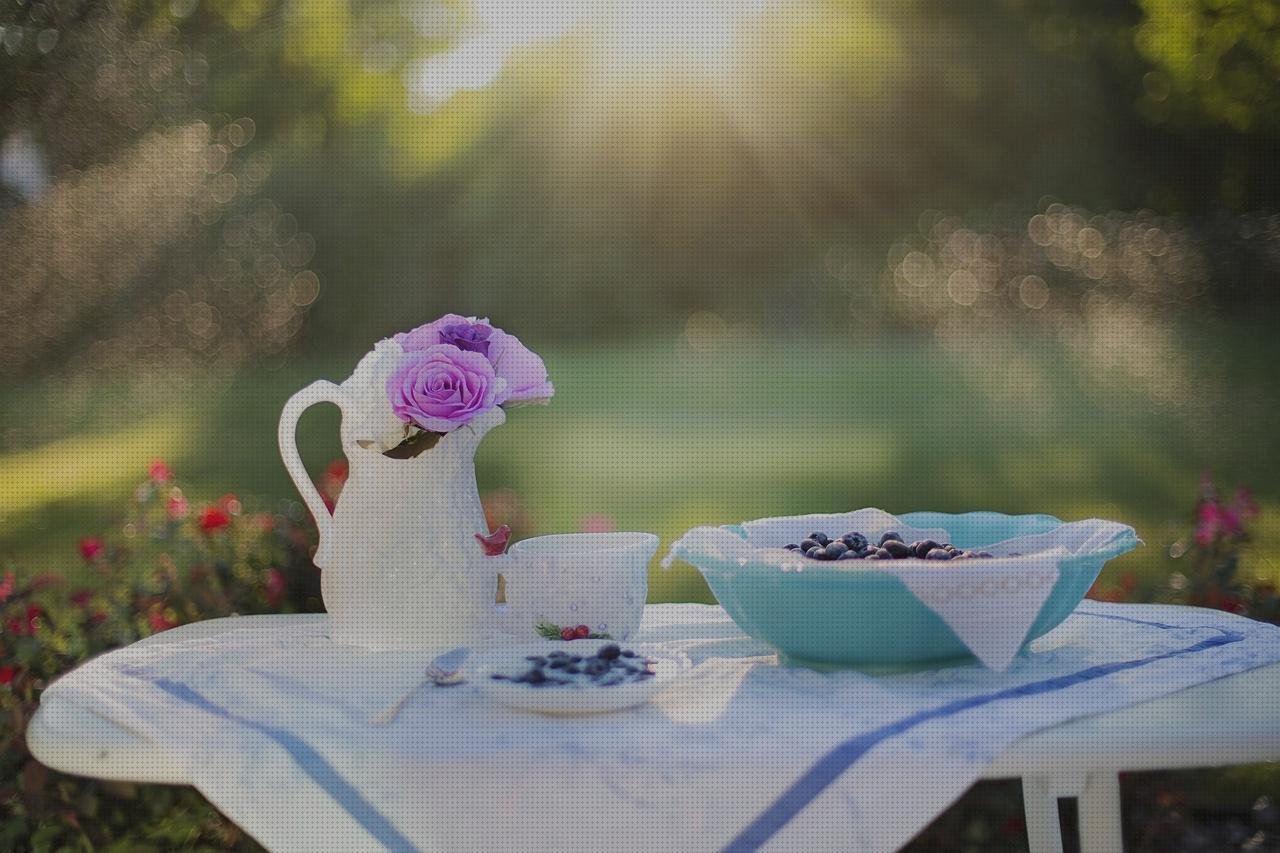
(780, 257)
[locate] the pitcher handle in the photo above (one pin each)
(317, 392)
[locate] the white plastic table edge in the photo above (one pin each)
(1229, 721)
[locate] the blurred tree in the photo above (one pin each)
(1194, 88)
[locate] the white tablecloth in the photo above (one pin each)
(274, 723)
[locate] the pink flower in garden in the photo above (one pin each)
(521, 368)
(1245, 503)
(6, 586)
(177, 507)
(160, 472)
(597, 522)
(274, 586)
(213, 518)
(440, 388)
(90, 547)
(1208, 523)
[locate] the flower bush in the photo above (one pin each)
(165, 565)
(1210, 555)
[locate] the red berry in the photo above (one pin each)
(566, 633)
(582, 632)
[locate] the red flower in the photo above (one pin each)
(81, 598)
(44, 580)
(90, 547)
(6, 586)
(275, 586)
(337, 471)
(496, 542)
(159, 620)
(159, 471)
(213, 518)
(7, 674)
(177, 507)
(27, 624)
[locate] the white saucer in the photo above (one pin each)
(582, 697)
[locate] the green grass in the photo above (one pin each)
(661, 438)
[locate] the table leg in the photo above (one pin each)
(1040, 802)
(1100, 827)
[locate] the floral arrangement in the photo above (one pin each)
(416, 386)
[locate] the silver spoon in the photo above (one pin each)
(432, 675)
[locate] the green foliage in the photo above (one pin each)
(1217, 62)
(170, 566)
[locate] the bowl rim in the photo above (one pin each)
(611, 542)
(775, 558)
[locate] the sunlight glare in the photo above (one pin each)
(634, 39)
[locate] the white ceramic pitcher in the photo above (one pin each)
(401, 567)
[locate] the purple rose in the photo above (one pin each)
(442, 387)
(523, 370)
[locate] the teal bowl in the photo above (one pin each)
(848, 614)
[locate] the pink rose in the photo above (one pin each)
(523, 370)
(441, 387)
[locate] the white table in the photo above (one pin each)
(1211, 725)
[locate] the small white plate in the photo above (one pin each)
(582, 697)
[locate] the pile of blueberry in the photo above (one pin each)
(855, 546)
(608, 667)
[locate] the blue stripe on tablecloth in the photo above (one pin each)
(311, 763)
(829, 768)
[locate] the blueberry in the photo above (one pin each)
(836, 550)
(891, 536)
(985, 555)
(627, 653)
(534, 676)
(809, 544)
(820, 538)
(595, 667)
(537, 660)
(938, 554)
(850, 555)
(608, 652)
(884, 554)
(497, 676)
(923, 547)
(855, 541)
(818, 554)
(897, 549)
(792, 547)
(875, 555)
(558, 663)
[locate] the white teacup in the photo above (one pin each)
(565, 580)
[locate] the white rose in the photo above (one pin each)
(373, 424)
